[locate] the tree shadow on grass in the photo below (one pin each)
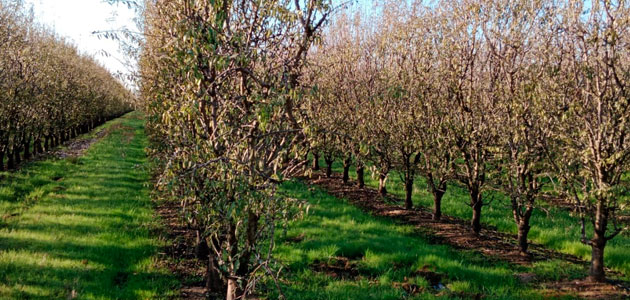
(89, 236)
(387, 256)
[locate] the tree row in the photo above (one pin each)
(530, 98)
(49, 91)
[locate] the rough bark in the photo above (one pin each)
(476, 203)
(27, 148)
(10, 161)
(437, 190)
(346, 169)
(17, 157)
(232, 290)
(329, 162)
(523, 231)
(598, 243)
(361, 176)
(201, 247)
(315, 161)
(596, 272)
(214, 283)
(522, 222)
(37, 146)
(437, 204)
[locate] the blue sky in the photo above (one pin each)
(77, 19)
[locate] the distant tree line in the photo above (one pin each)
(49, 91)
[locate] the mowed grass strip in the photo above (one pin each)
(80, 228)
(555, 228)
(340, 252)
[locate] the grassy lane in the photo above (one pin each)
(80, 228)
(339, 252)
(556, 229)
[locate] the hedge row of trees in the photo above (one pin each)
(49, 92)
(221, 80)
(531, 98)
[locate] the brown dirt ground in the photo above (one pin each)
(76, 147)
(179, 255)
(72, 148)
(456, 233)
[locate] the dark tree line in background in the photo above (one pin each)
(49, 92)
(524, 97)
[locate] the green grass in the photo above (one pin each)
(556, 229)
(386, 253)
(81, 227)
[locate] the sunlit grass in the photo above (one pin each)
(555, 228)
(386, 254)
(81, 227)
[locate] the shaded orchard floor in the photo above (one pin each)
(81, 228)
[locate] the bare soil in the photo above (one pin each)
(337, 267)
(590, 290)
(78, 146)
(179, 255)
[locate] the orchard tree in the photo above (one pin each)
(47, 88)
(435, 157)
(593, 90)
(333, 72)
(223, 83)
(465, 71)
(519, 36)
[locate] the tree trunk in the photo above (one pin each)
(315, 161)
(360, 176)
(523, 231)
(18, 158)
(10, 161)
(522, 221)
(232, 290)
(47, 143)
(329, 162)
(437, 204)
(201, 247)
(27, 148)
(408, 192)
(476, 204)
(598, 243)
(1, 160)
(214, 283)
(597, 272)
(382, 180)
(37, 146)
(346, 169)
